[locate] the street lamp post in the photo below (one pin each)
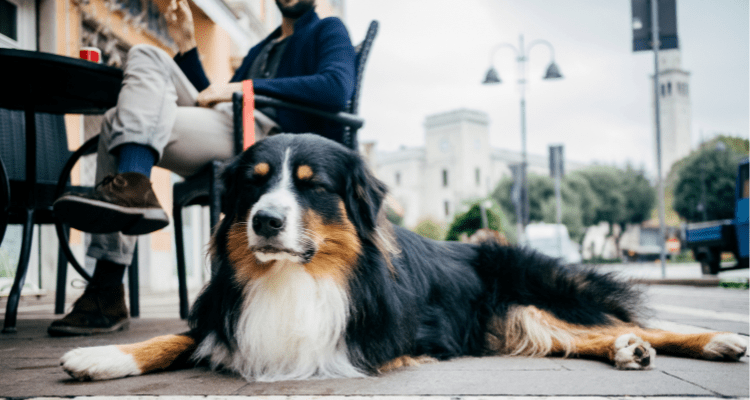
(553, 72)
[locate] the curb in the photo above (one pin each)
(700, 282)
(742, 284)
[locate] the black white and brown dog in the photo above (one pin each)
(313, 282)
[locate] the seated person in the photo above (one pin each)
(168, 114)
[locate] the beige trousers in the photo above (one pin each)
(156, 107)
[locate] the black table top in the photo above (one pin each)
(56, 84)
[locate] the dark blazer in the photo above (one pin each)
(317, 68)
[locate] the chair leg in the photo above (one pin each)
(214, 208)
(11, 310)
(62, 277)
(4, 200)
(135, 307)
(181, 264)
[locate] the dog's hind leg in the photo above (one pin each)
(631, 347)
(711, 346)
(118, 361)
(529, 331)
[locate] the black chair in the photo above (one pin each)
(205, 189)
(52, 153)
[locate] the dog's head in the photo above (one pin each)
(298, 198)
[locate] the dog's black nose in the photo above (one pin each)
(268, 223)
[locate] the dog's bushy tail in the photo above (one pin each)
(575, 294)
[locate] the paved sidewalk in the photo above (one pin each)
(29, 362)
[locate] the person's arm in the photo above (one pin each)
(182, 30)
(190, 64)
(333, 83)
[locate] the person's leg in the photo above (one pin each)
(132, 140)
(153, 89)
(201, 135)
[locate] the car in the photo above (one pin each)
(552, 240)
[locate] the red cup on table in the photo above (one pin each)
(91, 53)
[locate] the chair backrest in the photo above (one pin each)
(52, 145)
(362, 52)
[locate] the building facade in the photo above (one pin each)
(456, 165)
(225, 32)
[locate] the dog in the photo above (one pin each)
(314, 282)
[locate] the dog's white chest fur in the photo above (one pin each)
(292, 327)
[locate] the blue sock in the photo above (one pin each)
(136, 158)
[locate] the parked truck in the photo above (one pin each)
(640, 243)
(709, 239)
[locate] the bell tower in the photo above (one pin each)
(675, 110)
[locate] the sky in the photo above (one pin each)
(430, 56)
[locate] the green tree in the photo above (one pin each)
(392, 215)
(640, 196)
(705, 184)
(430, 229)
(578, 193)
(589, 196)
(470, 221)
(541, 188)
(571, 217)
(607, 183)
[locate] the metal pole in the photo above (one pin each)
(558, 198)
(524, 162)
(483, 216)
(655, 44)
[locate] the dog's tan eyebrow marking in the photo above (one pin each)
(304, 172)
(261, 169)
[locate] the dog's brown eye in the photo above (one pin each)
(261, 169)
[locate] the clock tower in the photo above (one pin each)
(675, 110)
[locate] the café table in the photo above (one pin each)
(35, 82)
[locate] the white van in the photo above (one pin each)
(552, 240)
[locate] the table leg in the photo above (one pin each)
(11, 310)
(4, 200)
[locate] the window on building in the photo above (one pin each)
(445, 178)
(685, 88)
(669, 88)
(447, 207)
(477, 176)
(398, 178)
(9, 20)
(663, 90)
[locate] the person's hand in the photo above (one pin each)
(180, 25)
(217, 94)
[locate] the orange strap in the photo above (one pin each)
(248, 115)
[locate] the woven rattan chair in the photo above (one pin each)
(52, 153)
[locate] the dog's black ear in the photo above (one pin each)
(364, 195)
(229, 180)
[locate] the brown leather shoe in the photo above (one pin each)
(120, 203)
(98, 310)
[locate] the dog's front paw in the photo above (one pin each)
(631, 352)
(725, 346)
(98, 363)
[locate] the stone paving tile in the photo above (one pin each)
(722, 381)
(559, 383)
(494, 364)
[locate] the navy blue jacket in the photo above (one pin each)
(317, 69)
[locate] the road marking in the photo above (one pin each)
(697, 312)
(675, 327)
